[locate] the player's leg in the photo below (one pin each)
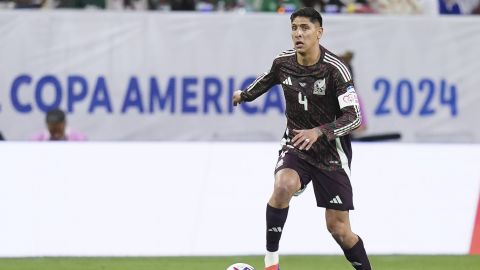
(287, 182)
(338, 224)
(333, 191)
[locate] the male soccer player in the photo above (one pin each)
(321, 109)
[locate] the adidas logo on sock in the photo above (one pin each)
(275, 229)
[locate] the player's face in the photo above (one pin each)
(305, 34)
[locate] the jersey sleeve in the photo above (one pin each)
(261, 85)
(349, 117)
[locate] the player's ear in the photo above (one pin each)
(319, 32)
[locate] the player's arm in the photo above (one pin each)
(261, 85)
(348, 120)
(350, 117)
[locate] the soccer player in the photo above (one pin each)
(321, 110)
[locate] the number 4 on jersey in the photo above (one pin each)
(303, 100)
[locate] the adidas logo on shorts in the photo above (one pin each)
(336, 200)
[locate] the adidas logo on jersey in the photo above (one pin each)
(336, 200)
(287, 81)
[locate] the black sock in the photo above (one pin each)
(357, 256)
(275, 220)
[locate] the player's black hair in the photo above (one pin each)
(55, 116)
(308, 12)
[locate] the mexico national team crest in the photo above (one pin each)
(319, 87)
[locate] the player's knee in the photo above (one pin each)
(337, 229)
(285, 188)
(287, 182)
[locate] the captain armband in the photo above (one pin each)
(349, 98)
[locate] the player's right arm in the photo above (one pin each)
(260, 86)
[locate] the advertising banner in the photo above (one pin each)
(197, 198)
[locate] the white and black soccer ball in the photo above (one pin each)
(240, 266)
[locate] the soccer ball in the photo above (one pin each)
(240, 266)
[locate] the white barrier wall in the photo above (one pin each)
(100, 199)
(154, 76)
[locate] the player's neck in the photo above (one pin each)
(309, 58)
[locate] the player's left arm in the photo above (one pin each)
(349, 120)
(350, 117)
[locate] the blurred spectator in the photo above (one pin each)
(429, 7)
(347, 58)
(476, 10)
(57, 129)
(127, 4)
(397, 6)
(182, 4)
(85, 4)
(280, 6)
(425, 7)
(316, 4)
(339, 6)
(360, 6)
(29, 3)
(1, 137)
(6, 4)
(206, 5)
(334, 6)
(288, 6)
(449, 7)
(458, 7)
(162, 5)
(359, 133)
(230, 5)
(133, 4)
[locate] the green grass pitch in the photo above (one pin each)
(394, 262)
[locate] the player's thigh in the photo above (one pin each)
(291, 171)
(333, 190)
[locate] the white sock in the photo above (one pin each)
(271, 258)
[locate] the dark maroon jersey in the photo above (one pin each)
(321, 95)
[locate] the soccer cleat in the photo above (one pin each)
(273, 267)
(271, 259)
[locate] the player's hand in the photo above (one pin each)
(237, 97)
(305, 138)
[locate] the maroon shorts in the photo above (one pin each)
(332, 188)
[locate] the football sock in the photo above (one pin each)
(275, 221)
(357, 256)
(271, 258)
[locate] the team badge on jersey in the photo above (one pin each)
(319, 87)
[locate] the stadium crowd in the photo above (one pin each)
(425, 7)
